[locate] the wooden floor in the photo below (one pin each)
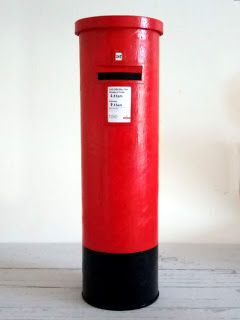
(43, 281)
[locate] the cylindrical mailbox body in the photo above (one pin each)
(119, 70)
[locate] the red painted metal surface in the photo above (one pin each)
(119, 160)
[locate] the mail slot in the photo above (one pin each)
(119, 83)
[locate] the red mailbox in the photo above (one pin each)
(119, 71)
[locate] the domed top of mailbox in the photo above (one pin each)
(138, 22)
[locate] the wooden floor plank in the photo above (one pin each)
(72, 278)
(87, 313)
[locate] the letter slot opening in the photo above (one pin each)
(119, 76)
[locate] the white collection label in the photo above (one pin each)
(119, 104)
(118, 56)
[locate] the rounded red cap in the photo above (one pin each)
(137, 22)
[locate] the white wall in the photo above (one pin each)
(200, 118)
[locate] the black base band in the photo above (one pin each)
(120, 281)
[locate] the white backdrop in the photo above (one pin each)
(39, 118)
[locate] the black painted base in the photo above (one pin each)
(120, 281)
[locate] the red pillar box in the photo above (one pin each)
(119, 70)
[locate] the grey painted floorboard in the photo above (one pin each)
(43, 281)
